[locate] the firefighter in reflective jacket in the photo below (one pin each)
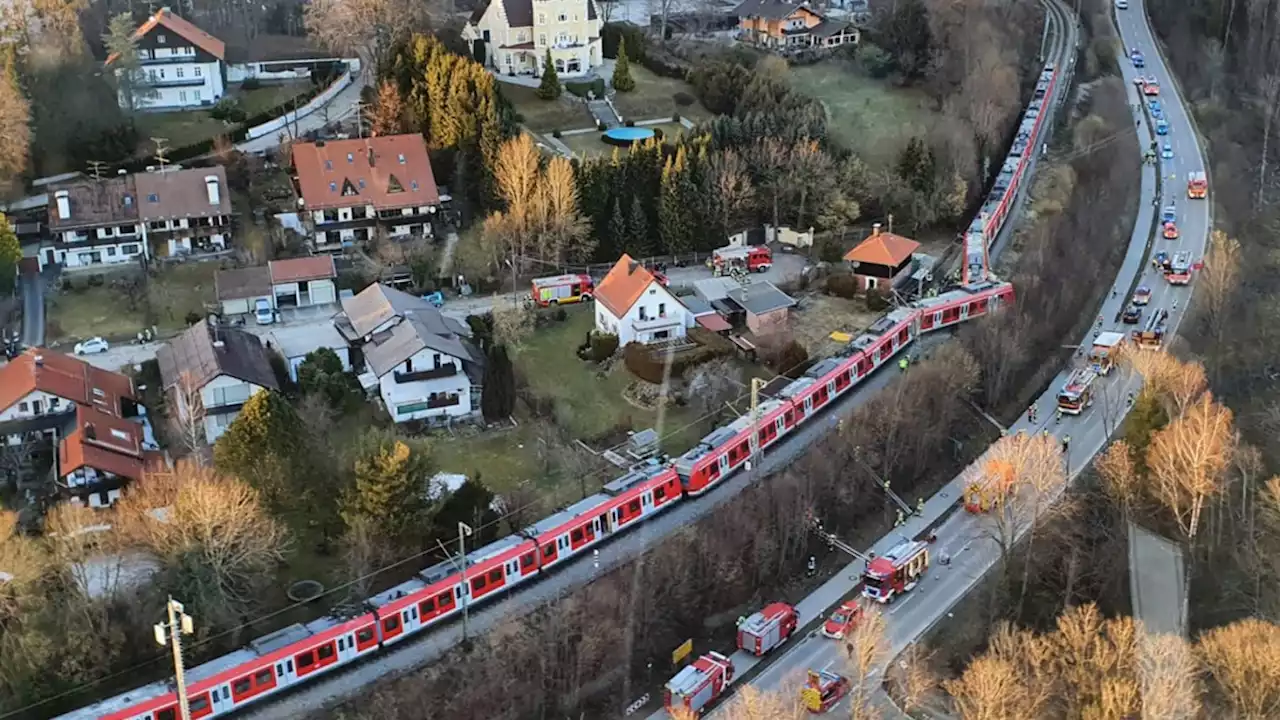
(903, 362)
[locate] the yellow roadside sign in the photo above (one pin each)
(811, 698)
(682, 651)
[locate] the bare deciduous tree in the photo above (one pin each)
(368, 29)
(866, 648)
(1169, 678)
(188, 420)
(1189, 458)
(1243, 660)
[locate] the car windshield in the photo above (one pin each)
(873, 583)
(839, 618)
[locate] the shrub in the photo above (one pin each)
(556, 133)
(844, 286)
(584, 89)
(874, 60)
(683, 99)
(559, 314)
(675, 117)
(790, 359)
(252, 83)
(642, 364)
(192, 318)
(603, 346)
(622, 80)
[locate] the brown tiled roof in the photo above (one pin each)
(103, 443)
(66, 377)
(883, 248)
(624, 284)
(194, 354)
(95, 202)
(184, 29)
(392, 171)
(241, 283)
(317, 267)
(175, 194)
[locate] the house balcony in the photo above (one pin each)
(796, 31)
(147, 58)
(442, 401)
(175, 82)
(444, 371)
(655, 323)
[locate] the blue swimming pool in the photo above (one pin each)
(625, 136)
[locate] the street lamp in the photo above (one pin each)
(170, 633)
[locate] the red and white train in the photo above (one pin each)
(301, 653)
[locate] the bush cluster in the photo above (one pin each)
(844, 286)
(586, 88)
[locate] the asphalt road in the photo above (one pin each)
(32, 309)
(968, 539)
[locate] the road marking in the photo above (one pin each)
(898, 605)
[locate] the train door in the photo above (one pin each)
(964, 311)
(221, 699)
(284, 671)
(780, 424)
(808, 405)
(602, 524)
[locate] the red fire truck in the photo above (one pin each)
(757, 258)
(562, 289)
(1077, 393)
(767, 629)
(1152, 336)
(895, 572)
(1197, 185)
(1179, 269)
(823, 691)
(698, 684)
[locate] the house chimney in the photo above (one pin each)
(64, 204)
(875, 229)
(211, 184)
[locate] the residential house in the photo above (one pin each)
(184, 211)
(349, 190)
(784, 25)
(210, 371)
(100, 454)
(881, 259)
(183, 66)
(766, 308)
(515, 36)
(40, 385)
(46, 399)
(421, 362)
(94, 224)
(130, 218)
(632, 304)
(303, 282)
(296, 342)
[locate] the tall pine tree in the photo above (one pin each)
(550, 87)
(390, 476)
(498, 398)
(622, 80)
(639, 243)
(618, 235)
(673, 214)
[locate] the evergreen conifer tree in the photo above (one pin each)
(550, 87)
(622, 80)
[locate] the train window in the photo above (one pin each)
(391, 624)
(526, 560)
(306, 659)
(264, 677)
(495, 575)
(342, 644)
(659, 494)
(445, 599)
(576, 535)
(477, 584)
(241, 686)
(288, 665)
(634, 506)
(198, 704)
(427, 606)
(279, 669)
(167, 714)
(324, 652)
(548, 550)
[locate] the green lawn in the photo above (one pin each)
(193, 126)
(80, 312)
(545, 116)
(654, 97)
(868, 116)
(589, 144)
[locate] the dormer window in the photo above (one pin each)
(393, 184)
(328, 164)
(350, 158)
(401, 158)
(333, 187)
(153, 198)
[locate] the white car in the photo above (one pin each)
(263, 313)
(1122, 4)
(92, 346)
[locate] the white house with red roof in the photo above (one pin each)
(184, 65)
(350, 190)
(632, 304)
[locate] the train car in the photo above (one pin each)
(728, 448)
(957, 306)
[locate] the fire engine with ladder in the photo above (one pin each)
(1197, 185)
(896, 572)
(1151, 337)
(991, 485)
(823, 691)
(1102, 356)
(694, 687)
(767, 629)
(754, 258)
(1077, 393)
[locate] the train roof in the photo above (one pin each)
(637, 475)
(119, 702)
(578, 509)
(404, 589)
(713, 440)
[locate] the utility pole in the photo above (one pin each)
(463, 531)
(756, 384)
(359, 119)
(170, 633)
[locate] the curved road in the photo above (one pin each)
(967, 538)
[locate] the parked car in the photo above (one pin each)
(92, 346)
(1142, 296)
(263, 312)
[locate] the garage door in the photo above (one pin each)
(322, 292)
(235, 307)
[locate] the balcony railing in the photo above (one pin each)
(175, 82)
(655, 322)
(444, 371)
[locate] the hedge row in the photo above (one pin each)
(642, 363)
(587, 88)
(638, 50)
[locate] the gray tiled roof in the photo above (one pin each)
(418, 330)
(761, 297)
(378, 303)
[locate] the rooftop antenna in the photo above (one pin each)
(95, 168)
(360, 106)
(890, 223)
(162, 151)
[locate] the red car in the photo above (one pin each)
(1170, 231)
(844, 619)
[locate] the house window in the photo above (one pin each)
(130, 249)
(151, 75)
(181, 72)
(542, 39)
(436, 358)
(542, 18)
(408, 365)
(182, 96)
(662, 309)
(159, 39)
(563, 39)
(199, 71)
(563, 17)
(644, 313)
(196, 96)
(111, 252)
(23, 407)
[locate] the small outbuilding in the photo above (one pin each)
(881, 259)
